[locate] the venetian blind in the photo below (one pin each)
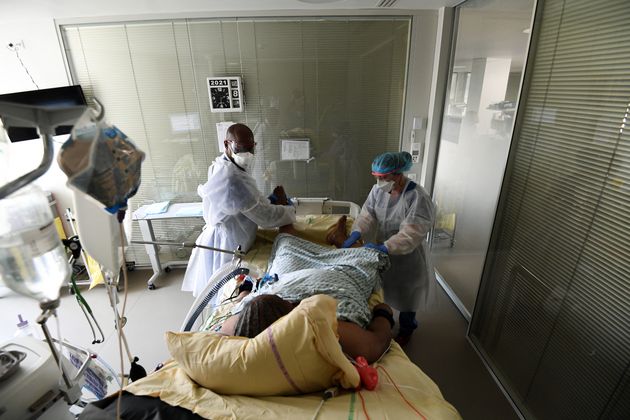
(553, 313)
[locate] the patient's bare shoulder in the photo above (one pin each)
(229, 325)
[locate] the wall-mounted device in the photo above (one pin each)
(46, 98)
(417, 150)
(225, 94)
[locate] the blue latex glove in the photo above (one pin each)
(354, 236)
(378, 247)
(273, 198)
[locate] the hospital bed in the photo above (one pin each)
(404, 391)
(180, 211)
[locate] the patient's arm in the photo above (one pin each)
(370, 343)
(338, 233)
(289, 229)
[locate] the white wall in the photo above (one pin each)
(421, 54)
(41, 55)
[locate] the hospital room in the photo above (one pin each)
(315, 209)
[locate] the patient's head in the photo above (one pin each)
(259, 313)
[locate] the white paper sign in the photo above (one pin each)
(185, 122)
(222, 128)
(295, 149)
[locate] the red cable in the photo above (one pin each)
(401, 394)
(363, 404)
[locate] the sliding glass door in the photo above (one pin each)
(484, 83)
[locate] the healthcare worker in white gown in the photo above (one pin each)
(397, 215)
(233, 208)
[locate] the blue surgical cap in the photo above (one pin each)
(391, 163)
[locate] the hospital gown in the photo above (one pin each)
(305, 269)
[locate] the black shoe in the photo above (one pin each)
(403, 337)
(403, 340)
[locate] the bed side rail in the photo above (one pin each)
(201, 304)
(324, 205)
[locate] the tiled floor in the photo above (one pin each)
(439, 347)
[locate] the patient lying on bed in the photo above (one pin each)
(262, 311)
(305, 269)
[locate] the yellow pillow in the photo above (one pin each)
(299, 353)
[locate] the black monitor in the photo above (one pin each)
(60, 96)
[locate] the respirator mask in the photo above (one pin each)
(385, 186)
(244, 159)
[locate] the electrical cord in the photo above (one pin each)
(328, 394)
(400, 393)
(17, 54)
(87, 311)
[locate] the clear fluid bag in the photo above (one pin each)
(32, 258)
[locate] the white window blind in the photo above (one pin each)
(553, 314)
(338, 82)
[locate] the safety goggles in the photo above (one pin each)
(236, 148)
(384, 177)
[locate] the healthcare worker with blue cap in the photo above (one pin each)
(233, 208)
(398, 214)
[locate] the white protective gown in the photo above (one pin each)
(401, 222)
(233, 208)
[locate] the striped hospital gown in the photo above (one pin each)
(305, 269)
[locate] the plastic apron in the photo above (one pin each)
(233, 208)
(406, 283)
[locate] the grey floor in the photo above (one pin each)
(439, 347)
(462, 270)
(149, 314)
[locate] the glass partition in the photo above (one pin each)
(332, 88)
(489, 54)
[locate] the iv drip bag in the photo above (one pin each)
(32, 259)
(101, 161)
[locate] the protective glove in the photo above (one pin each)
(378, 247)
(273, 199)
(279, 196)
(354, 236)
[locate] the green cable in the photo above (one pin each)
(84, 305)
(353, 398)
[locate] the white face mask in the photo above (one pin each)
(244, 160)
(385, 186)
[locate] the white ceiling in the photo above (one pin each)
(22, 10)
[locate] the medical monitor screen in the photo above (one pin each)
(66, 95)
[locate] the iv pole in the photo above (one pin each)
(44, 119)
